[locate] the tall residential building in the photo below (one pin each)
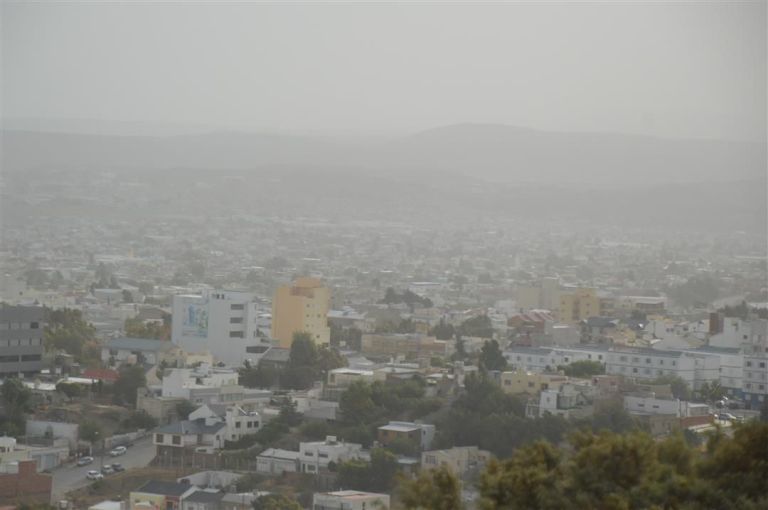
(21, 339)
(302, 306)
(577, 305)
(222, 322)
(544, 296)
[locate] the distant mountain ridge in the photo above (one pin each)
(486, 151)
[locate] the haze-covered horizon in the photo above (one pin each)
(390, 69)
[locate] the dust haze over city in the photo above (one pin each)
(372, 252)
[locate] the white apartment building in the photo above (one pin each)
(541, 359)
(755, 389)
(738, 332)
(650, 364)
(723, 364)
(317, 454)
(223, 322)
(238, 421)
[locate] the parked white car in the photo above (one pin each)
(118, 450)
(94, 475)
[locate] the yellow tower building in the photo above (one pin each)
(302, 306)
(578, 305)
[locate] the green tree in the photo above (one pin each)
(138, 420)
(491, 357)
(69, 389)
(184, 408)
(258, 377)
(738, 467)
(329, 359)
(356, 404)
(680, 388)
(711, 392)
(377, 476)
(131, 378)
(276, 502)
(528, 480)
(460, 353)
(302, 369)
(91, 431)
(68, 331)
(17, 402)
(443, 330)
(611, 416)
(433, 489)
(136, 328)
(479, 326)
(583, 369)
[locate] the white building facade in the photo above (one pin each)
(222, 322)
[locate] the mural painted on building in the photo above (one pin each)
(195, 319)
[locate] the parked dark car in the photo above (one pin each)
(117, 467)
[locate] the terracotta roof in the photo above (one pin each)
(101, 374)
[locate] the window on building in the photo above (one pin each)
(235, 320)
(237, 424)
(647, 360)
(34, 325)
(237, 307)
(158, 438)
(235, 334)
(634, 370)
(176, 440)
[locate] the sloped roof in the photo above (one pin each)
(186, 427)
(204, 497)
(102, 374)
(164, 488)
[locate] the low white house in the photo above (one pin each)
(201, 433)
(238, 422)
(274, 461)
(318, 454)
(350, 500)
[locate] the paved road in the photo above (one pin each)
(71, 476)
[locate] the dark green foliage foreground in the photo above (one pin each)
(615, 472)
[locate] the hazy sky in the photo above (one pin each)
(688, 69)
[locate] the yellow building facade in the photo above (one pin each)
(301, 307)
(577, 305)
(528, 382)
